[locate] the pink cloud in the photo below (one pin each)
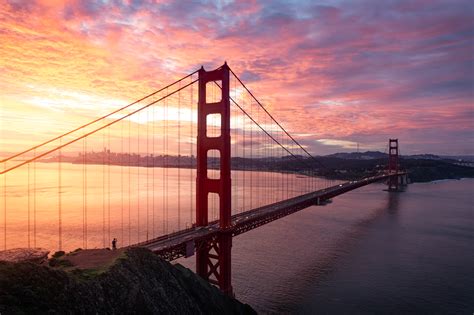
(344, 71)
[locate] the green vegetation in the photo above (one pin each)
(419, 170)
(136, 281)
(91, 273)
(345, 167)
(57, 262)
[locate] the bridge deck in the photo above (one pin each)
(183, 243)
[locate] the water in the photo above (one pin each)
(415, 257)
(368, 252)
(95, 203)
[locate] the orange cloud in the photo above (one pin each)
(328, 71)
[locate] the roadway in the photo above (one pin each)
(183, 243)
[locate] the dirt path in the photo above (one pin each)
(92, 258)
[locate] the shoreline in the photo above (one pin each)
(188, 167)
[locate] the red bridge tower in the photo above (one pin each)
(213, 256)
(393, 166)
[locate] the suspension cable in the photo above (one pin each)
(96, 130)
(96, 120)
(261, 128)
(284, 130)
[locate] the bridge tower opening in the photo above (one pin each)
(393, 165)
(213, 256)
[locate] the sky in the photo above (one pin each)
(336, 74)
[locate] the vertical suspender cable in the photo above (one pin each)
(147, 172)
(244, 183)
(60, 245)
(153, 120)
(260, 164)
(234, 150)
(29, 219)
(83, 193)
(252, 185)
(138, 177)
(103, 187)
(34, 200)
(121, 182)
(129, 183)
(108, 184)
(282, 173)
(179, 158)
(166, 162)
(5, 208)
(163, 167)
(191, 199)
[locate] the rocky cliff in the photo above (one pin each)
(134, 281)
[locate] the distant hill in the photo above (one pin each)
(424, 157)
(344, 166)
(467, 158)
(355, 165)
(368, 155)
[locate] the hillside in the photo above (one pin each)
(133, 282)
(419, 170)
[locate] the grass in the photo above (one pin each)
(91, 273)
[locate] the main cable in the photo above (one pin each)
(284, 130)
(96, 130)
(98, 119)
(256, 123)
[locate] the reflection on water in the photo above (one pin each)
(418, 257)
(100, 202)
(393, 202)
(369, 251)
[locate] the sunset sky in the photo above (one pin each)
(335, 73)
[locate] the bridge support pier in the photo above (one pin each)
(213, 261)
(213, 256)
(403, 180)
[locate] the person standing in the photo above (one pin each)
(114, 244)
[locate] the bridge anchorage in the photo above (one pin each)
(232, 187)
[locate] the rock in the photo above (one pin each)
(135, 282)
(59, 254)
(15, 255)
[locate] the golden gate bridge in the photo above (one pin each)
(180, 171)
